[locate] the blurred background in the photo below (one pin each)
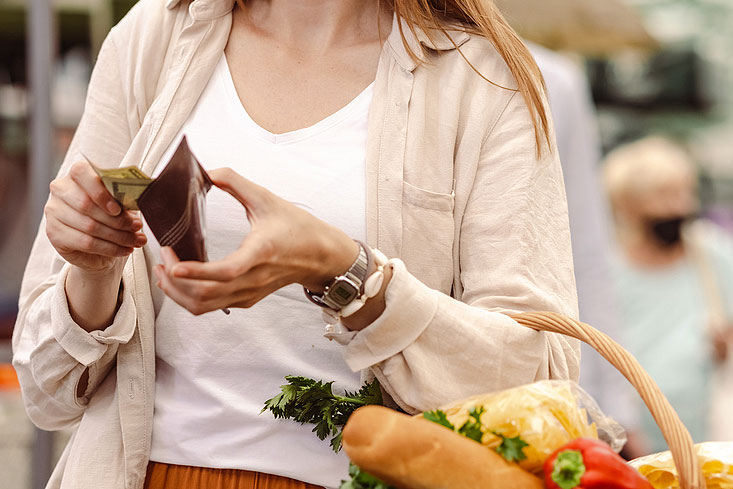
(617, 72)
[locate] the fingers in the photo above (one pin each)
(78, 200)
(183, 293)
(92, 227)
(83, 174)
(67, 239)
(227, 269)
(198, 296)
(72, 219)
(187, 290)
(82, 220)
(201, 296)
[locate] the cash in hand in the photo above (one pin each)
(125, 184)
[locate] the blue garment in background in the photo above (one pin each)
(664, 315)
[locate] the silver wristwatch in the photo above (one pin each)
(344, 289)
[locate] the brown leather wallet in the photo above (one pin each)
(173, 205)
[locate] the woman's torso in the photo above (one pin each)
(160, 58)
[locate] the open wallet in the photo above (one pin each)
(173, 205)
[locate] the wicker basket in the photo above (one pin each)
(675, 433)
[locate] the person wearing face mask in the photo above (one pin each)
(668, 268)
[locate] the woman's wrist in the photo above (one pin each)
(92, 295)
(368, 304)
(338, 254)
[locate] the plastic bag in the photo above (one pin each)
(716, 461)
(545, 414)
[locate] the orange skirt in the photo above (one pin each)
(167, 476)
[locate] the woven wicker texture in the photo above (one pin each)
(675, 433)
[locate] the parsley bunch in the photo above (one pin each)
(510, 448)
(312, 401)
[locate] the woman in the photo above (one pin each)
(452, 176)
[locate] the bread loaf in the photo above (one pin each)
(414, 453)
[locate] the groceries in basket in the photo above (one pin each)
(494, 440)
(716, 462)
(545, 414)
(485, 446)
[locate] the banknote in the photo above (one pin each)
(125, 184)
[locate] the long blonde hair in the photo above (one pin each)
(482, 18)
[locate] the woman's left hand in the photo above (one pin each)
(285, 245)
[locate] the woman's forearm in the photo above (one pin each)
(93, 296)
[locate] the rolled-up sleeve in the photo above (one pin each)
(88, 347)
(51, 353)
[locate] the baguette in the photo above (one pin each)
(414, 453)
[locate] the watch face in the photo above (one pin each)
(343, 292)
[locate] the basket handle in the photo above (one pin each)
(675, 433)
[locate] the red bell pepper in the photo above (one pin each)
(590, 464)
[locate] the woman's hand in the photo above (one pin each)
(85, 225)
(285, 245)
(90, 230)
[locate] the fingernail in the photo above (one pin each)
(114, 208)
(136, 225)
(157, 272)
(140, 240)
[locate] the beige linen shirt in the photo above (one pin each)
(453, 189)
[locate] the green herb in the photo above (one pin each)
(511, 448)
(472, 427)
(569, 469)
(312, 401)
(439, 417)
(362, 480)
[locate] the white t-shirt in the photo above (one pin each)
(214, 372)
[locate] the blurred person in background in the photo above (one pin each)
(666, 263)
(367, 115)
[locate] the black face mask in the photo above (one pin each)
(667, 232)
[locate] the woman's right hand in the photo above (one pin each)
(85, 225)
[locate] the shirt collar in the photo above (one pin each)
(204, 9)
(434, 39)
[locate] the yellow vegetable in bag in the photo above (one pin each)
(545, 414)
(716, 461)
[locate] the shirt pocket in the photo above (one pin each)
(428, 235)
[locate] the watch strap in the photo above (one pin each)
(356, 275)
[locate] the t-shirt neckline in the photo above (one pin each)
(298, 134)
